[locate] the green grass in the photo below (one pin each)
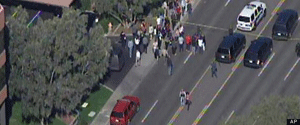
(16, 118)
(86, 5)
(96, 101)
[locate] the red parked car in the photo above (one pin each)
(124, 110)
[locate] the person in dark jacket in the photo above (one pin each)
(214, 69)
(170, 65)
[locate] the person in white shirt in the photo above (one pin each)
(138, 58)
(137, 43)
(180, 41)
(151, 30)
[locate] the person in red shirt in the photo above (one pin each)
(188, 40)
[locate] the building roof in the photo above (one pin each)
(63, 3)
(2, 17)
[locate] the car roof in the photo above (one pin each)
(121, 105)
(256, 44)
(227, 41)
(283, 16)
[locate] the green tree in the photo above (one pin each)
(57, 65)
(273, 110)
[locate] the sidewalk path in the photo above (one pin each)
(131, 80)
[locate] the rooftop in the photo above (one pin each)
(62, 3)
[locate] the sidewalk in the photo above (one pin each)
(132, 79)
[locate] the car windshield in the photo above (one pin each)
(244, 19)
(279, 28)
(117, 114)
(223, 51)
(250, 55)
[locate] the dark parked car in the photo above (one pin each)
(230, 48)
(285, 24)
(116, 59)
(258, 52)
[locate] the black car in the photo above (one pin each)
(230, 48)
(258, 52)
(285, 24)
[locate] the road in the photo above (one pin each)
(237, 87)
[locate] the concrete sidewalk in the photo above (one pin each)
(132, 80)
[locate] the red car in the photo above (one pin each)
(124, 110)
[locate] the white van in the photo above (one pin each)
(251, 15)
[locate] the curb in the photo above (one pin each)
(132, 80)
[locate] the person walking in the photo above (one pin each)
(174, 47)
(137, 43)
(194, 45)
(170, 65)
(180, 41)
(138, 58)
(188, 40)
(130, 47)
(155, 50)
(182, 96)
(188, 100)
(145, 43)
(123, 38)
(214, 69)
(151, 30)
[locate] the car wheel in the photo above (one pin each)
(265, 12)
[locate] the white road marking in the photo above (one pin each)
(227, 3)
(287, 75)
(149, 111)
(198, 119)
(266, 64)
(187, 58)
(229, 116)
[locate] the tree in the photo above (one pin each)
(56, 64)
(273, 110)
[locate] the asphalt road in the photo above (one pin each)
(237, 87)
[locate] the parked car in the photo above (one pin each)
(251, 15)
(258, 52)
(230, 48)
(116, 59)
(124, 110)
(285, 24)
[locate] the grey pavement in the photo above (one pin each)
(129, 84)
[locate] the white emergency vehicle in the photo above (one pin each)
(251, 15)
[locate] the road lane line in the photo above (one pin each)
(287, 75)
(182, 107)
(187, 58)
(149, 111)
(266, 64)
(236, 65)
(229, 116)
(227, 3)
(206, 107)
(273, 13)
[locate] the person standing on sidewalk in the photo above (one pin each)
(214, 69)
(145, 43)
(130, 47)
(138, 58)
(123, 38)
(151, 30)
(137, 43)
(170, 65)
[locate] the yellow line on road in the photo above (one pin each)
(198, 119)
